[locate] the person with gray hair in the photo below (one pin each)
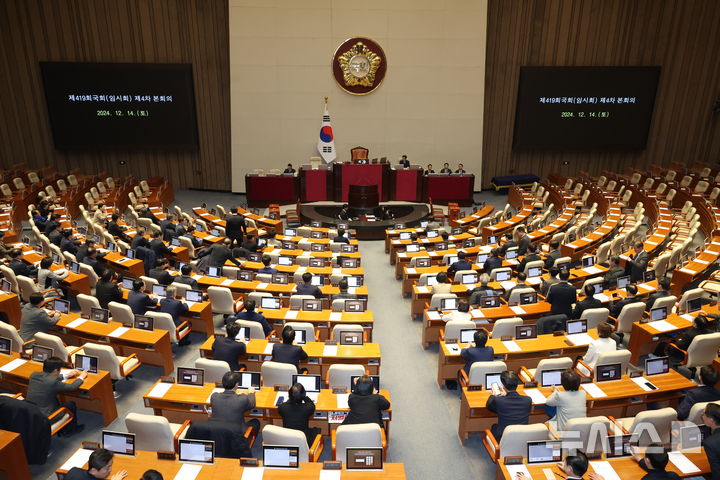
(175, 307)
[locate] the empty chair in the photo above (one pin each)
(119, 367)
(275, 435)
(701, 186)
(59, 348)
(144, 186)
(340, 375)
(9, 275)
(154, 433)
(33, 177)
(364, 435)
(453, 328)
(27, 287)
(214, 369)
(514, 440)
(691, 294)
(87, 302)
(121, 312)
(668, 302)
(19, 184)
(591, 432)
(164, 321)
(148, 282)
(296, 301)
(606, 358)
(535, 374)
(629, 314)
(670, 175)
(350, 327)
(594, 316)
(275, 373)
(222, 301)
(496, 271)
(505, 327)
(686, 181)
(72, 180)
(478, 372)
(514, 298)
(661, 265)
(92, 276)
(16, 343)
(649, 426)
(702, 351)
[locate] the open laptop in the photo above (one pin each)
(489, 301)
(576, 326)
(311, 305)
(74, 267)
(481, 258)
(657, 366)
(317, 247)
(214, 272)
(40, 353)
(648, 275)
(300, 337)
(492, 240)
(618, 446)
(86, 363)
(467, 335)
(422, 262)
(159, 290)
(448, 304)
(451, 259)
(271, 303)
(190, 376)
(534, 272)
(5, 346)
(544, 451)
(550, 378)
(249, 379)
(431, 280)
(354, 281)
(317, 280)
(345, 248)
(62, 306)
(355, 306)
(319, 262)
(691, 437)
(286, 261)
(364, 459)
(99, 315)
(528, 298)
(469, 278)
(694, 305)
(290, 232)
(412, 248)
(503, 275)
(511, 253)
(119, 442)
(352, 338)
(525, 332)
(245, 275)
(350, 262)
(243, 334)
(312, 384)
(130, 254)
(606, 373)
(143, 322)
(433, 234)
(5, 286)
(280, 456)
(193, 296)
(196, 451)
(404, 236)
(659, 313)
(623, 282)
(375, 379)
(588, 261)
(127, 283)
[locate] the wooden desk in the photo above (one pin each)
(128, 268)
(324, 320)
(624, 398)
(94, 395)
(367, 355)
(397, 246)
(10, 305)
(182, 402)
(474, 218)
(582, 246)
(229, 468)
(242, 286)
(151, 347)
(199, 315)
(77, 282)
(291, 269)
(13, 461)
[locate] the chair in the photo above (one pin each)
(297, 300)
(164, 321)
(606, 358)
(661, 265)
(275, 373)
(9, 275)
(148, 282)
(222, 301)
(121, 313)
(701, 186)
(349, 327)
(155, 433)
(181, 288)
(535, 374)
(358, 153)
(453, 327)
(686, 181)
(691, 294)
(591, 432)
(505, 327)
(92, 276)
(668, 302)
(19, 184)
(703, 350)
(87, 302)
(255, 329)
(533, 264)
(16, 342)
(514, 298)
(27, 287)
(514, 440)
(118, 366)
(257, 297)
(214, 369)
(594, 316)
(275, 435)
(59, 348)
(339, 375)
(629, 314)
(478, 371)
(364, 435)
(696, 411)
(649, 426)
(309, 329)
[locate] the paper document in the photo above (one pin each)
(159, 390)
(301, 268)
(330, 350)
(662, 325)
(335, 316)
(507, 284)
(9, 367)
(683, 463)
(602, 297)
(592, 270)
(78, 459)
(410, 271)
(342, 400)
(188, 471)
(512, 346)
(423, 289)
(512, 261)
(534, 281)
(477, 313)
(537, 397)
(689, 317)
(197, 277)
(645, 286)
(227, 282)
(593, 390)
(76, 323)
(433, 315)
(261, 286)
(337, 270)
(518, 310)
(687, 270)
(641, 381)
(513, 470)
(291, 314)
(605, 469)
(268, 349)
(253, 473)
(704, 262)
(118, 332)
(579, 338)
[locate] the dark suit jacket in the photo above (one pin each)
(82, 252)
(297, 416)
(712, 451)
(366, 409)
(551, 257)
(531, 257)
(523, 244)
(405, 163)
(174, 307)
(340, 239)
(561, 297)
(139, 302)
(43, 389)
(187, 280)
(116, 231)
(22, 268)
(507, 245)
(285, 353)
(308, 289)
(659, 475)
(638, 265)
(107, 292)
(585, 304)
(160, 249)
(476, 354)
(492, 263)
(55, 237)
(228, 350)
(95, 264)
(696, 395)
(68, 245)
(343, 215)
(33, 320)
(235, 226)
(77, 473)
(459, 265)
(162, 276)
(613, 274)
(253, 317)
(512, 409)
(651, 299)
(231, 407)
(218, 255)
(618, 306)
(139, 241)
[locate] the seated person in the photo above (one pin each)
(196, 242)
(521, 277)
(343, 286)
(711, 443)
(443, 284)
(307, 288)
(49, 281)
(344, 213)
(569, 403)
(654, 463)
(297, 411)
(446, 168)
(617, 306)
(461, 264)
(509, 243)
(460, 169)
(139, 301)
(705, 392)
(286, 352)
(530, 256)
(663, 291)
(574, 467)
(117, 230)
(150, 475)
(614, 271)
(404, 161)
(604, 343)
(39, 220)
(186, 278)
(462, 312)
(511, 407)
(36, 319)
(158, 246)
(493, 261)
(231, 405)
(341, 237)
(251, 315)
(91, 258)
(67, 244)
(553, 254)
(267, 268)
(160, 272)
(289, 169)
(587, 303)
(107, 290)
(99, 466)
(429, 169)
(172, 304)
(478, 353)
(227, 349)
(19, 266)
(139, 239)
(366, 404)
(481, 291)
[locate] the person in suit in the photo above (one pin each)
(107, 290)
(461, 264)
(663, 291)
(20, 267)
(185, 277)
(100, 465)
(521, 277)
(706, 392)
(196, 242)
(638, 262)
(145, 212)
(524, 240)
(158, 246)
(604, 343)
(493, 261)
(173, 305)
(700, 326)
(267, 268)
(443, 284)
(83, 249)
(530, 256)
(116, 230)
(219, 254)
(711, 443)
(553, 254)
(251, 315)
(227, 349)
(43, 388)
(550, 281)
(429, 169)
(344, 295)
(39, 220)
(574, 467)
(230, 406)
(509, 243)
(617, 306)
(461, 314)
(341, 237)
(5, 249)
(160, 272)
(614, 272)
(483, 290)
(569, 403)
(562, 296)
(235, 227)
(92, 260)
(151, 475)
(35, 319)
(55, 236)
(405, 162)
(446, 168)
(67, 244)
(511, 407)
(306, 288)
(289, 169)
(366, 404)
(286, 352)
(654, 463)
(344, 212)
(478, 353)
(296, 412)
(168, 227)
(460, 169)
(52, 224)
(587, 303)
(139, 240)
(138, 301)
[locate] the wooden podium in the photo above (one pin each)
(363, 196)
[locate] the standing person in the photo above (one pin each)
(524, 240)
(230, 405)
(296, 412)
(218, 254)
(562, 295)
(569, 403)
(511, 407)
(235, 227)
(550, 281)
(638, 262)
(99, 467)
(366, 404)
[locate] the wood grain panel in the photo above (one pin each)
(160, 31)
(683, 37)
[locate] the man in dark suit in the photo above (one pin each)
(158, 246)
(405, 162)
(139, 239)
(306, 288)
(341, 237)
(160, 272)
(286, 352)
(235, 227)
(138, 301)
(67, 244)
(663, 291)
(446, 168)
(550, 281)
(511, 407)
(587, 303)
(82, 251)
(530, 256)
(186, 277)
(493, 261)
(20, 267)
(711, 417)
(553, 254)
(638, 262)
(524, 241)
(344, 212)
(289, 169)
(43, 388)
(614, 272)
(168, 228)
(521, 277)
(175, 307)
(616, 307)
(92, 260)
(231, 406)
(147, 213)
(99, 466)
(251, 315)
(52, 224)
(55, 236)
(509, 243)
(266, 265)
(227, 349)
(107, 290)
(219, 254)
(478, 353)
(704, 393)
(429, 169)
(562, 295)
(461, 264)
(116, 230)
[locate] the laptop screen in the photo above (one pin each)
(503, 275)
(469, 278)
(193, 296)
(623, 282)
(375, 379)
(405, 236)
(127, 283)
(431, 280)
(694, 305)
(86, 363)
(448, 304)
(551, 377)
(588, 262)
(354, 281)
(320, 262)
(467, 335)
(213, 272)
(598, 287)
(544, 451)
(451, 259)
(130, 253)
(413, 247)
(422, 262)
(691, 437)
(250, 379)
(576, 326)
(649, 275)
(190, 376)
(276, 456)
(99, 315)
(300, 337)
(489, 301)
(511, 253)
(657, 366)
(311, 305)
(528, 298)
(62, 306)
(159, 290)
(349, 262)
(40, 353)
(482, 258)
(290, 232)
(354, 305)
(285, 261)
(118, 442)
(492, 240)
(534, 272)
(525, 332)
(317, 280)
(6, 286)
(351, 338)
(608, 372)
(348, 248)
(318, 247)
(143, 322)
(492, 378)
(618, 446)
(310, 382)
(659, 313)
(432, 234)
(280, 278)
(5, 345)
(196, 451)
(272, 303)
(364, 459)
(74, 267)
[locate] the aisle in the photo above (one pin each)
(423, 431)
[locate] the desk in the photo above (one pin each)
(582, 246)
(644, 338)
(316, 185)
(367, 355)
(183, 402)
(347, 174)
(10, 306)
(324, 320)
(624, 398)
(262, 190)
(94, 395)
(406, 184)
(472, 219)
(78, 282)
(13, 461)
(128, 268)
(449, 188)
(229, 468)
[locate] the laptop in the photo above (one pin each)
(511, 253)
(489, 301)
(280, 456)
(356, 306)
(492, 240)
(648, 275)
(469, 278)
(300, 337)
(441, 246)
(534, 272)
(433, 234)
(399, 226)
(62, 306)
(286, 261)
(290, 232)
(345, 248)
(598, 287)
(344, 226)
(588, 261)
(528, 298)
(127, 283)
(130, 254)
(243, 334)
(214, 272)
(245, 275)
(40, 353)
(349, 262)
(468, 243)
(525, 332)
(271, 303)
(694, 305)
(86, 363)
(311, 305)
(56, 259)
(199, 227)
(492, 378)
(375, 379)
(467, 335)
(215, 232)
(5, 286)
(422, 262)
(5, 345)
(74, 267)
(691, 437)
(404, 236)
(352, 338)
(159, 290)
(312, 384)
(317, 280)
(318, 262)
(175, 241)
(354, 281)
(623, 282)
(659, 313)
(605, 373)
(261, 242)
(196, 451)
(193, 295)
(280, 278)
(544, 451)
(101, 315)
(424, 224)
(413, 247)
(481, 258)
(254, 256)
(657, 366)
(119, 442)
(318, 247)
(143, 322)
(111, 247)
(618, 446)
(503, 276)
(364, 459)
(451, 259)
(448, 304)
(576, 326)
(249, 379)
(550, 378)
(190, 376)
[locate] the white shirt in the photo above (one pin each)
(456, 315)
(597, 347)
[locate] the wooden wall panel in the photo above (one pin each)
(161, 31)
(682, 36)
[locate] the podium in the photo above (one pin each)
(347, 174)
(363, 196)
